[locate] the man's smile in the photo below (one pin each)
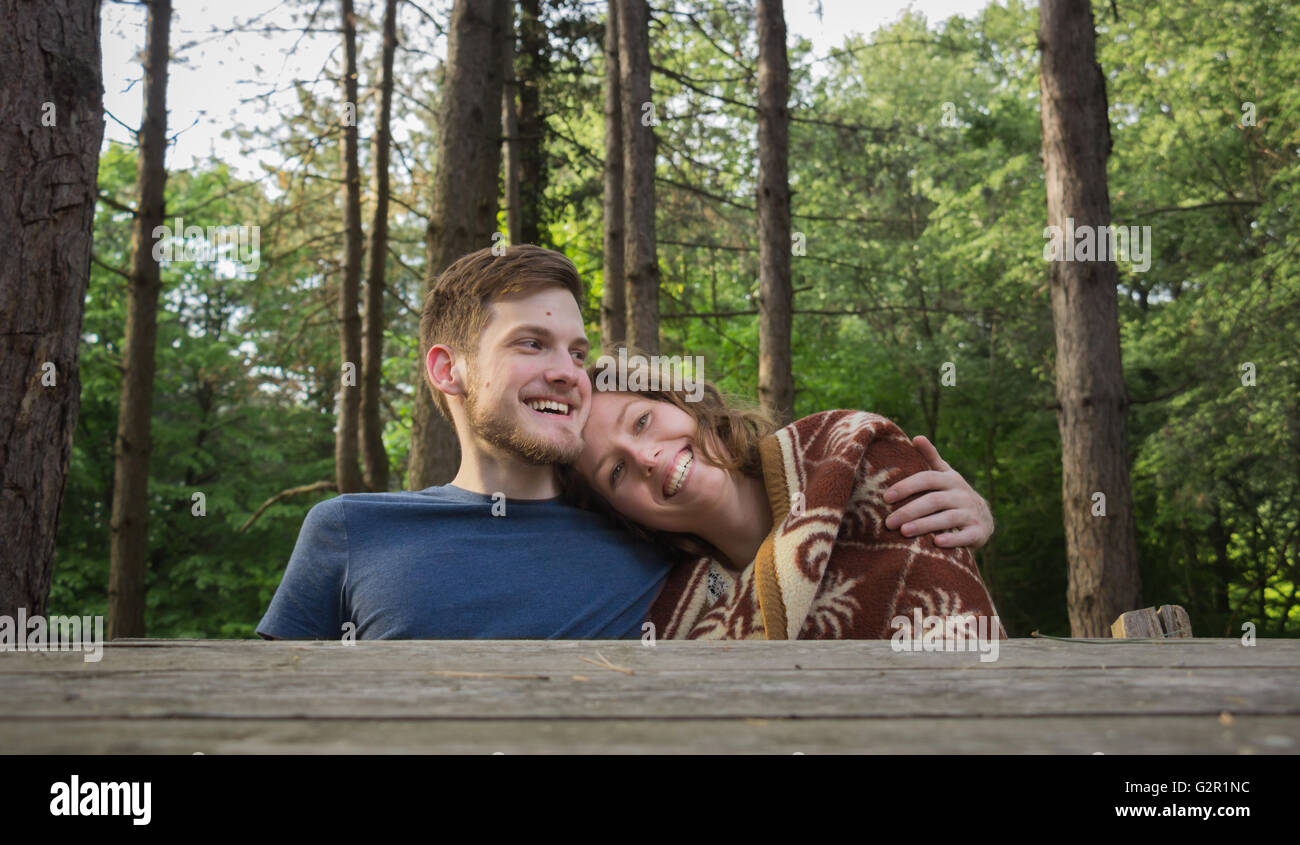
(551, 407)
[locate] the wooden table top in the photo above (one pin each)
(620, 696)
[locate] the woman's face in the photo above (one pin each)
(641, 455)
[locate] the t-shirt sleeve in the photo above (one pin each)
(308, 604)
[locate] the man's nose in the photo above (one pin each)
(565, 371)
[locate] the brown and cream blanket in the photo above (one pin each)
(829, 569)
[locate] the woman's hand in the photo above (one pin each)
(952, 506)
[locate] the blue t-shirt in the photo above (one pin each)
(437, 564)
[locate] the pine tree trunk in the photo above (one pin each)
(1223, 573)
(532, 67)
(465, 199)
(51, 126)
(641, 261)
(510, 131)
(1102, 552)
(129, 543)
(374, 457)
(776, 297)
(613, 299)
(347, 469)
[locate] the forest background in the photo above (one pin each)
(921, 289)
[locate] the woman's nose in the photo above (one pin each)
(649, 458)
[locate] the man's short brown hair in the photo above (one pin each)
(458, 304)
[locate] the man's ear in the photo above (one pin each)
(440, 364)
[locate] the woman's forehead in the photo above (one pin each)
(608, 405)
(601, 426)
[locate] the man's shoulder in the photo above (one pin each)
(331, 516)
(396, 498)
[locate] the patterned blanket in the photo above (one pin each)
(829, 569)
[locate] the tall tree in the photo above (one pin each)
(776, 297)
(510, 131)
(347, 470)
(641, 259)
(531, 69)
(1093, 402)
(51, 126)
(465, 200)
(374, 457)
(129, 546)
(613, 298)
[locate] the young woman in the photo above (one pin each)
(786, 532)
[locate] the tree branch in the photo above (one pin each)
(110, 267)
(285, 494)
(1215, 204)
(112, 203)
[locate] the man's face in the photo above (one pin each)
(531, 358)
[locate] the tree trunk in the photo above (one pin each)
(51, 126)
(532, 66)
(129, 543)
(347, 469)
(641, 262)
(613, 298)
(987, 557)
(1104, 580)
(464, 212)
(1218, 537)
(374, 457)
(776, 297)
(510, 131)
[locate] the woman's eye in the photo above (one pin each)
(533, 343)
(614, 474)
(580, 355)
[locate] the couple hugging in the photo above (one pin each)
(586, 506)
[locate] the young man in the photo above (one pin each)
(495, 553)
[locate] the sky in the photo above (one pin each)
(212, 78)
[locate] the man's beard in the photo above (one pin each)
(500, 428)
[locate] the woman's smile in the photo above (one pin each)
(679, 473)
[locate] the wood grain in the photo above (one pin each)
(1040, 696)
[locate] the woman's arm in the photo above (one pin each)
(950, 505)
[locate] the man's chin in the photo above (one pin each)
(544, 447)
(555, 451)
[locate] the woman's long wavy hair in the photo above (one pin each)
(734, 425)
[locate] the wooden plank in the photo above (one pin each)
(588, 692)
(566, 656)
(1049, 735)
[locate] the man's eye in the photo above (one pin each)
(580, 354)
(534, 343)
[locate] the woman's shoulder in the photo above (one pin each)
(847, 418)
(842, 431)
